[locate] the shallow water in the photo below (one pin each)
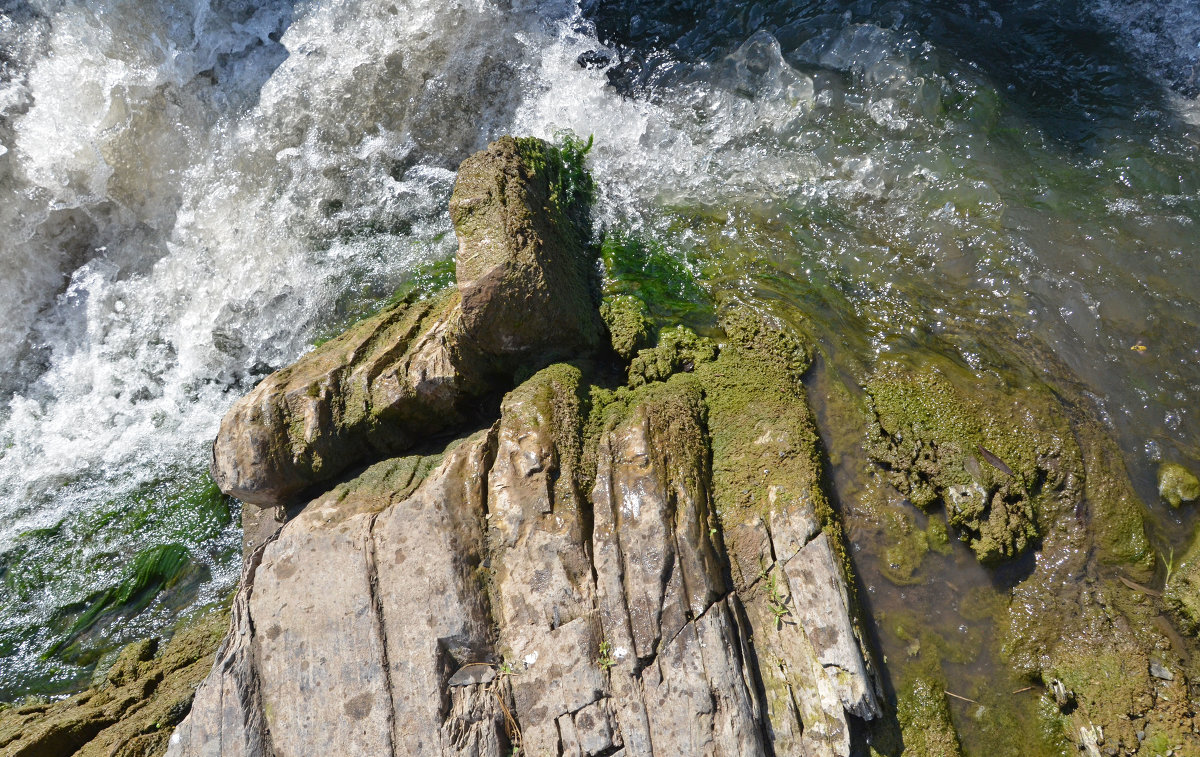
(195, 191)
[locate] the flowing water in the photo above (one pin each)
(193, 192)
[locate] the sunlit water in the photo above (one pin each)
(192, 193)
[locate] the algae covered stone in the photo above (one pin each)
(1177, 484)
(924, 716)
(994, 457)
(1182, 592)
(629, 325)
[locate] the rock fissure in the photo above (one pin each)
(377, 606)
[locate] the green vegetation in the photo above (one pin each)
(668, 290)
(605, 658)
(180, 513)
(1177, 484)
(925, 723)
(564, 162)
(983, 455)
(152, 571)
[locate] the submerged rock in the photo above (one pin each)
(996, 461)
(924, 716)
(1177, 484)
(1182, 592)
(131, 709)
(525, 296)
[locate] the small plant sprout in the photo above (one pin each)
(606, 659)
(776, 601)
(1169, 563)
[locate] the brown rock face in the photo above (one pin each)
(558, 582)
(498, 603)
(525, 296)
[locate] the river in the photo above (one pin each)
(192, 193)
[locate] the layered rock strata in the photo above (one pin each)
(525, 295)
(640, 569)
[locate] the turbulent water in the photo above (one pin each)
(193, 192)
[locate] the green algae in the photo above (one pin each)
(564, 162)
(1177, 484)
(629, 326)
(182, 516)
(996, 459)
(667, 288)
(925, 723)
(130, 708)
(1181, 595)
(153, 570)
(907, 546)
(679, 350)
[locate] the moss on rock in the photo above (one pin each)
(994, 457)
(1182, 592)
(925, 723)
(679, 350)
(132, 709)
(629, 325)
(1177, 484)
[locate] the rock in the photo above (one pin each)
(559, 580)
(629, 325)
(924, 716)
(1181, 595)
(525, 295)
(1176, 484)
(132, 708)
(527, 280)
(565, 569)
(1159, 671)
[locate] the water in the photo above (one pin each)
(193, 192)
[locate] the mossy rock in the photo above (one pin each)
(1007, 462)
(1177, 484)
(925, 723)
(133, 708)
(679, 350)
(995, 458)
(629, 326)
(1182, 592)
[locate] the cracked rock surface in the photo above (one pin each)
(497, 603)
(607, 568)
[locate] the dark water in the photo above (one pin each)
(195, 191)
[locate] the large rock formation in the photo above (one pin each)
(525, 296)
(649, 568)
(499, 602)
(646, 563)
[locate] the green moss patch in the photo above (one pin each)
(995, 459)
(925, 723)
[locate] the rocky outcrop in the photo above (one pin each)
(646, 569)
(130, 710)
(525, 296)
(504, 601)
